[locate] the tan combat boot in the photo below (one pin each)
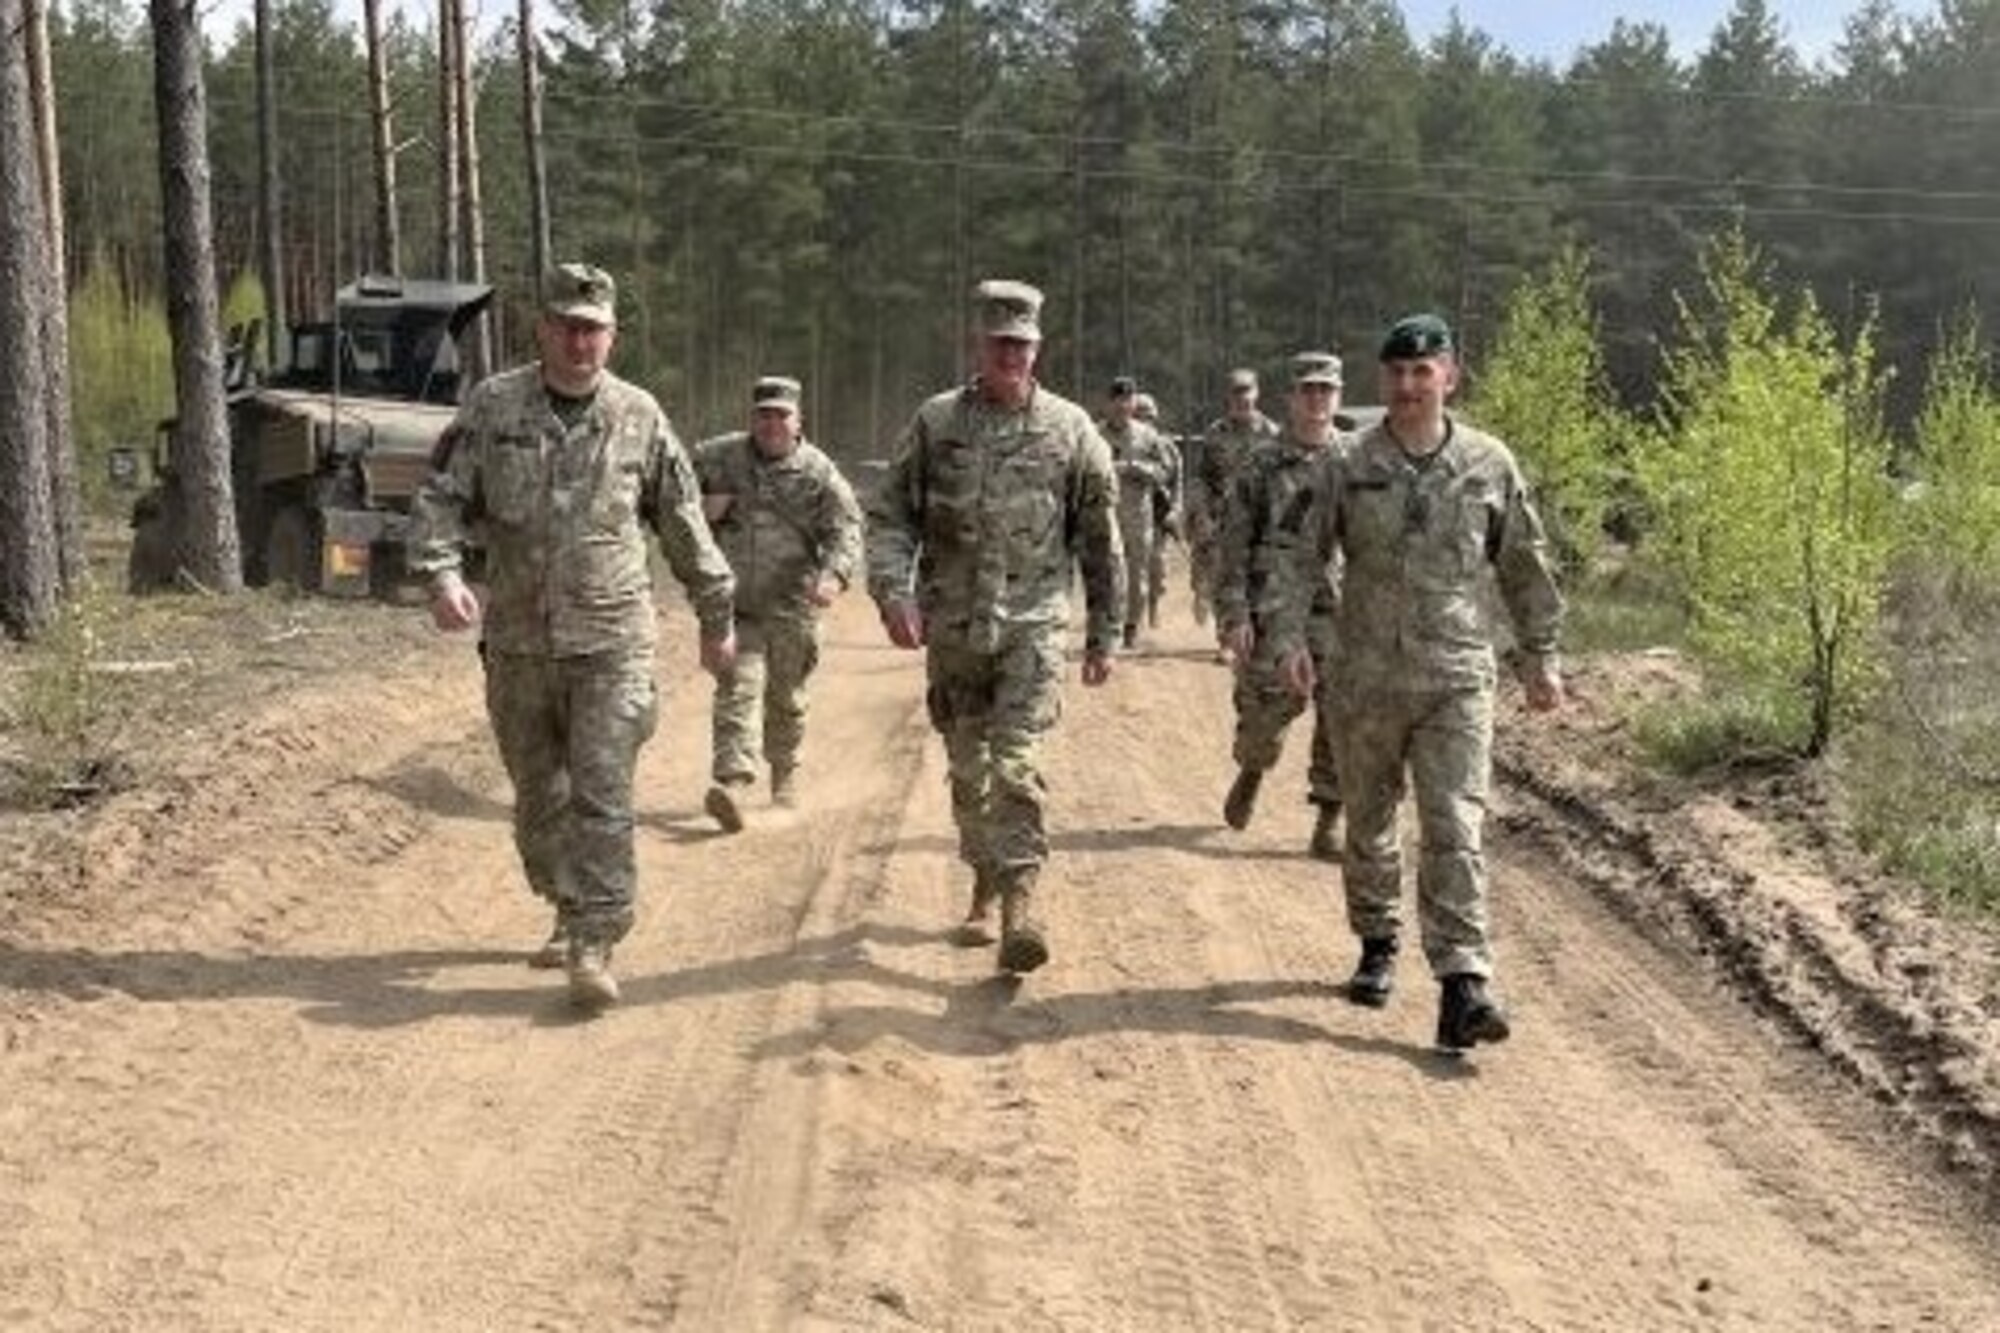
(976, 931)
(785, 788)
(554, 952)
(591, 985)
(1023, 946)
(723, 809)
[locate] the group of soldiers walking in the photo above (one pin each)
(1341, 571)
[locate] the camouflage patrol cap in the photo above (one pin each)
(580, 291)
(1009, 309)
(776, 391)
(1123, 386)
(1242, 378)
(1415, 337)
(1316, 368)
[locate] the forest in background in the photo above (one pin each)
(810, 186)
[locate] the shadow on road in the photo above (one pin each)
(1206, 840)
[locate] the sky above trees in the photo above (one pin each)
(1554, 29)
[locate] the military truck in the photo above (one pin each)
(327, 451)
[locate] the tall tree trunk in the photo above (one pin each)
(448, 139)
(481, 332)
(30, 568)
(270, 212)
(539, 230)
(388, 228)
(201, 513)
(65, 492)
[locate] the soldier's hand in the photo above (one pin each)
(718, 655)
(1545, 690)
(1296, 670)
(1096, 667)
(904, 622)
(821, 589)
(454, 606)
(1239, 641)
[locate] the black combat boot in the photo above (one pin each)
(1131, 639)
(1023, 946)
(1242, 798)
(1467, 1015)
(1375, 975)
(1325, 844)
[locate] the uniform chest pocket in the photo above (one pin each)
(617, 493)
(1375, 516)
(1474, 512)
(512, 479)
(1028, 487)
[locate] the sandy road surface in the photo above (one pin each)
(278, 1067)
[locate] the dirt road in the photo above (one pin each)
(269, 1060)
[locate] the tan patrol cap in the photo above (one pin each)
(1242, 378)
(1316, 368)
(1009, 309)
(776, 391)
(579, 291)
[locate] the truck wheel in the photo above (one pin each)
(291, 549)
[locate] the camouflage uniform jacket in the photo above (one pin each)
(1415, 539)
(1224, 447)
(985, 509)
(784, 523)
(1274, 479)
(1144, 462)
(558, 510)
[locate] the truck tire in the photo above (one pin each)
(292, 549)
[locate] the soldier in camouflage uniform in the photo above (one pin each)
(1228, 440)
(1168, 504)
(1145, 474)
(790, 526)
(1268, 484)
(996, 491)
(1417, 508)
(553, 468)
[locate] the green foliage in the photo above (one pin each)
(1721, 727)
(65, 710)
(121, 374)
(1768, 476)
(1543, 391)
(1951, 523)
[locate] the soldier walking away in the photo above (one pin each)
(996, 491)
(1168, 504)
(1270, 482)
(553, 467)
(1218, 457)
(1417, 508)
(1145, 474)
(789, 524)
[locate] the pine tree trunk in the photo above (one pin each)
(201, 513)
(447, 139)
(388, 228)
(65, 492)
(30, 568)
(270, 211)
(531, 134)
(480, 334)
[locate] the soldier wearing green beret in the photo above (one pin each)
(1416, 510)
(996, 491)
(789, 524)
(557, 468)
(1271, 481)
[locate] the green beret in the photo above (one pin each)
(1416, 337)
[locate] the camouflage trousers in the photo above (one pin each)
(1202, 549)
(1265, 708)
(760, 702)
(569, 731)
(1443, 741)
(993, 709)
(1135, 527)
